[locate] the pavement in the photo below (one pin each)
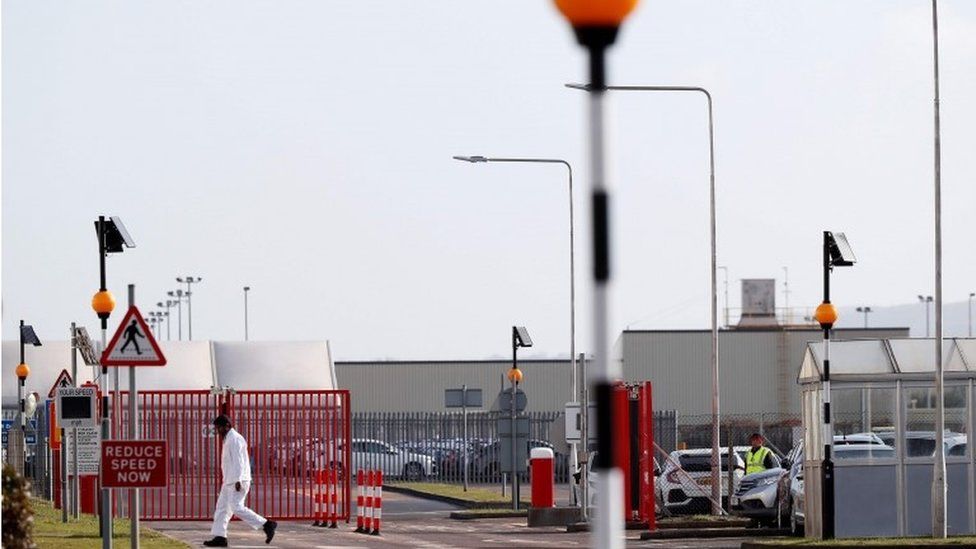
(415, 522)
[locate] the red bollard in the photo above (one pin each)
(543, 466)
(333, 479)
(377, 502)
(368, 522)
(360, 501)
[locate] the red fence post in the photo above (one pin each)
(621, 441)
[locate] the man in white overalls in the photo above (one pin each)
(236, 468)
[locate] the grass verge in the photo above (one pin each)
(874, 542)
(51, 533)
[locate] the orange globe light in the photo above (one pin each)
(515, 375)
(23, 370)
(595, 13)
(103, 303)
(826, 314)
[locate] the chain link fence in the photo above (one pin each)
(781, 431)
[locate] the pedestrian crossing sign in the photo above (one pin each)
(133, 344)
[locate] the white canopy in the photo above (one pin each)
(190, 365)
(884, 359)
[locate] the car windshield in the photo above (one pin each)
(696, 463)
(920, 447)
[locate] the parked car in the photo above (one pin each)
(486, 460)
(762, 496)
(591, 485)
(857, 438)
(922, 443)
(686, 481)
(369, 454)
(395, 463)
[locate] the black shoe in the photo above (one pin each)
(269, 530)
(218, 541)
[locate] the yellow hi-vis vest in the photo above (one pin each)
(755, 460)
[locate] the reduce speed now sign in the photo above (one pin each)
(134, 464)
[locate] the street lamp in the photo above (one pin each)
(865, 310)
(520, 338)
(178, 294)
(971, 296)
(572, 264)
(600, 87)
(246, 290)
(188, 280)
(168, 304)
(112, 238)
(927, 301)
(836, 253)
(939, 529)
(595, 25)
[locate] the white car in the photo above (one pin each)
(377, 455)
(686, 481)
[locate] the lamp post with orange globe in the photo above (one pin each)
(836, 253)
(520, 338)
(112, 238)
(595, 24)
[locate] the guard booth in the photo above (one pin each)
(883, 409)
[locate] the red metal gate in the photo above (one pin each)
(290, 436)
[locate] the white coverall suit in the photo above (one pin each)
(236, 467)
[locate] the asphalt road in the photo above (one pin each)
(414, 522)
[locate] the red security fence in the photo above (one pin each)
(290, 434)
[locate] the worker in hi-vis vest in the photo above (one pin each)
(758, 458)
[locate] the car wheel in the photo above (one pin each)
(413, 471)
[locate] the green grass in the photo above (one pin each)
(868, 542)
(50, 532)
(473, 495)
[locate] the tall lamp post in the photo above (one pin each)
(178, 295)
(725, 272)
(27, 337)
(939, 468)
(594, 87)
(168, 304)
(836, 253)
(927, 301)
(112, 238)
(520, 338)
(246, 290)
(971, 296)
(866, 311)
(189, 280)
(595, 25)
(572, 264)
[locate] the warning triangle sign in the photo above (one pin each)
(133, 344)
(64, 380)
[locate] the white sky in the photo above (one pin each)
(304, 149)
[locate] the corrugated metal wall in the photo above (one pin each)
(757, 368)
(758, 373)
(415, 386)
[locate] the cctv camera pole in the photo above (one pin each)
(939, 469)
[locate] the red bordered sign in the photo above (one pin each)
(133, 344)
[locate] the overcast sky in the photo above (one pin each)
(304, 149)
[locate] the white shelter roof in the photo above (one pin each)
(884, 359)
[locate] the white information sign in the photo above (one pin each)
(89, 450)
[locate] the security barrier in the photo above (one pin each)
(291, 436)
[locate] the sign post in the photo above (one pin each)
(133, 345)
(464, 398)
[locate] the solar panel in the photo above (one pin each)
(126, 239)
(841, 253)
(27, 334)
(523, 336)
(84, 344)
